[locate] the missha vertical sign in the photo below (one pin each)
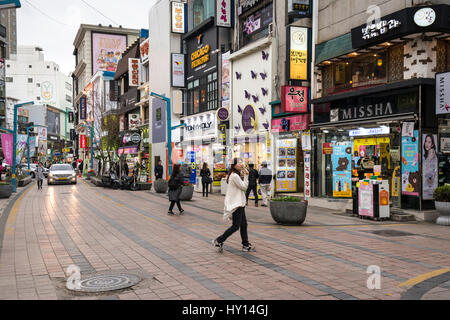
(298, 53)
(178, 17)
(443, 93)
(223, 13)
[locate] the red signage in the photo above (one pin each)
(83, 142)
(327, 148)
(294, 99)
(295, 123)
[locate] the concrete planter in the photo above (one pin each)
(97, 181)
(187, 193)
(161, 186)
(288, 213)
(25, 181)
(444, 213)
(5, 191)
(145, 186)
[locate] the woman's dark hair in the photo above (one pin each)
(205, 166)
(176, 170)
(432, 147)
(233, 169)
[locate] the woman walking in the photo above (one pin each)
(175, 187)
(235, 207)
(40, 175)
(205, 173)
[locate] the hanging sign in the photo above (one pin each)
(443, 93)
(223, 13)
(307, 159)
(42, 133)
(178, 17)
(298, 53)
(83, 142)
(178, 70)
(7, 145)
(294, 99)
(306, 141)
(342, 173)
(133, 72)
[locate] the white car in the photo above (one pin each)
(24, 169)
(61, 173)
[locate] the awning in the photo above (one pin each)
(334, 48)
(122, 66)
(8, 4)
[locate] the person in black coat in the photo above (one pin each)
(159, 170)
(176, 182)
(205, 173)
(253, 176)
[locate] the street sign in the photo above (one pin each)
(136, 138)
(57, 154)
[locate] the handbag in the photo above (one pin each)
(209, 180)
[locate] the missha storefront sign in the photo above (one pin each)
(200, 126)
(362, 112)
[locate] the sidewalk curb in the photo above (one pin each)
(6, 212)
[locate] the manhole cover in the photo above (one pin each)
(108, 282)
(391, 233)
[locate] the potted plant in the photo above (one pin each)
(24, 180)
(288, 210)
(187, 191)
(442, 204)
(161, 186)
(6, 190)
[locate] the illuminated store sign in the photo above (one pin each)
(369, 131)
(201, 56)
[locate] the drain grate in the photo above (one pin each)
(391, 233)
(108, 282)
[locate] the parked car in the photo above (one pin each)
(61, 173)
(24, 169)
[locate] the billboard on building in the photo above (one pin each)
(107, 50)
(298, 45)
(53, 122)
(178, 17)
(178, 70)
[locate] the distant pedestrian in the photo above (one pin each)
(175, 187)
(125, 169)
(265, 180)
(159, 170)
(1, 168)
(205, 173)
(80, 167)
(40, 175)
(252, 184)
(235, 207)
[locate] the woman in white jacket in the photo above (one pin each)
(235, 207)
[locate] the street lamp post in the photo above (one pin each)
(16, 106)
(169, 127)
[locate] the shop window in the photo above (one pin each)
(443, 56)
(202, 94)
(396, 63)
(255, 24)
(199, 11)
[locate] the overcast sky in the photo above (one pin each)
(55, 27)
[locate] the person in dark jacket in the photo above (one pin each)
(125, 168)
(265, 180)
(205, 173)
(252, 183)
(159, 170)
(176, 182)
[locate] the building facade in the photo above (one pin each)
(8, 18)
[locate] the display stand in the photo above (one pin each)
(373, 199)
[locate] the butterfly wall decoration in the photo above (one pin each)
(266, 125)
(254, 75)
(255, 99)
(247, 95)
(238, 75)
(265, 55)
(263, 110)
(265, 92)
(263, 75)
(239, 109)
(237, 128)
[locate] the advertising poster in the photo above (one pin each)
(298, 53)
(307, 158)
(178, 17)
(342, 170)
(286, 165)
(7, 145)
(306, 141)
(53, 122)
(365, 203)
(192, 163)
(133, 72)
(430, 171)
(32, 146)
(107, 51)
(410, 165)
(178, 70)
(226, 71)
(42, 149)
(21, 146)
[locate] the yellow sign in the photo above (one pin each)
(299, 65)
(200, 56)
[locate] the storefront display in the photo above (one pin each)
(286, 165)
(410, 165)
(429, 166)
(342, 174)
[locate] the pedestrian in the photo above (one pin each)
(235, 207)
(125, 168)
(40, 175)
(175, 187)
(252, 184)
(265, 180)
(1, 168)
(205, 173)
(159, 170)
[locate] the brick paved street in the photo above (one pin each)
(103, 230)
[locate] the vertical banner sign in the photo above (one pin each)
(287, 165)
(429, 166)
(42, 133)
(443, 93)
(306, 141)
(133, 72)
(223, 13)
(226, 71)
(7, 145)
(192, 163)
(177, 102)
(298, 53)
(82, 141)
(21, 146)
(342, 169)
(294, 99)
(178, 70)
(307, 158)
(178, 17)
(83, 108)
(410, 165)
(32, 146)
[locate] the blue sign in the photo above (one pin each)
(83, 109)
(191, 161)
(57, 154)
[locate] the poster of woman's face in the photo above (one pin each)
(429, 166)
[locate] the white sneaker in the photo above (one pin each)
(217, 245)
